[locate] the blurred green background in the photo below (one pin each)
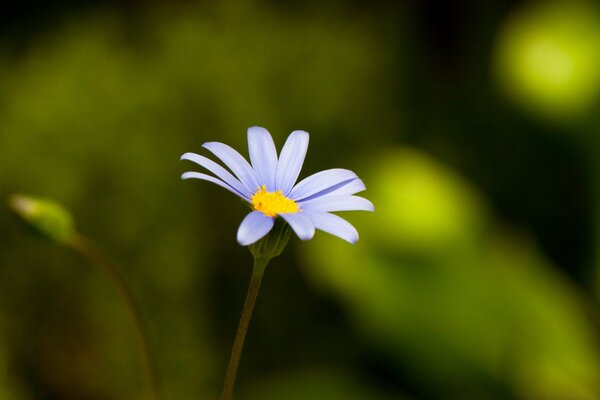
(475, 126)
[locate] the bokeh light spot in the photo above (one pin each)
(547, 58)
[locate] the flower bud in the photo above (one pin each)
(273, 243)
(48, 218)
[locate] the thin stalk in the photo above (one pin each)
(238, 343)
(91, 252)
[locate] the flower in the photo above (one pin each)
(269, 186)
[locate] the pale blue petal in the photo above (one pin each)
(263, 156)
(290, 161)
(351, 188)
(254, 227)
(219, 171)
(333, 224)
(198, 175)
(337, 203)
(321, 181)
(236, 163)
(345, 188)
(301, 224)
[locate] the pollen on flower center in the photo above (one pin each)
(273, 203)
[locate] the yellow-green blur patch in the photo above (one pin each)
(456, 297)
(420, 203)
(548, 57)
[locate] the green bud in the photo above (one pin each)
(48, 218)
(273, 243)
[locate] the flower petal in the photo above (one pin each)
(321, 181)
(334, 225)
(254, 226)
(352, 187)
(345, 188)
(198, 175)
(337, 203)
(263, 156)
(219, 171)
(235, 162)
(290, 161)
(301, 224)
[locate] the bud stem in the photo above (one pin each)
(91, 252)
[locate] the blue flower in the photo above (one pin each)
(269, 186)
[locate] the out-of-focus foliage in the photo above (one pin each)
(476, 309)
(314, 383)
(7, 389)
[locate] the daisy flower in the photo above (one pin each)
(269, 186)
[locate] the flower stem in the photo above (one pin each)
(90, 251)
(238, 343)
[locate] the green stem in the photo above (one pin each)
(90, 251)
(238, 343)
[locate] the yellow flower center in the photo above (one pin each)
(273, 203)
